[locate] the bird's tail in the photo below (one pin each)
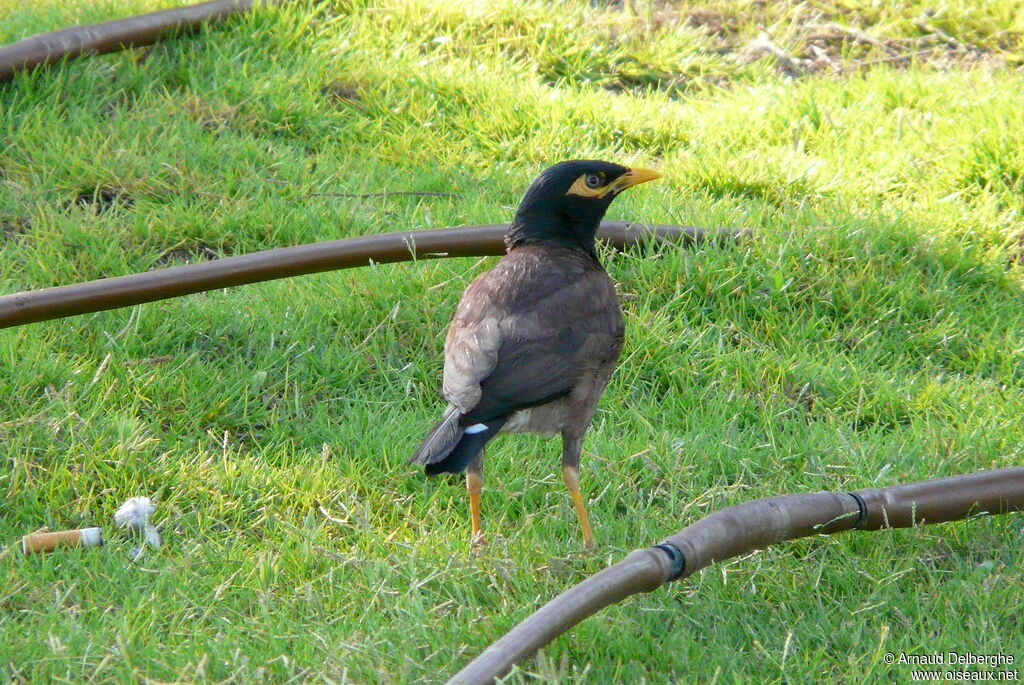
(441, 439)
(450, 446)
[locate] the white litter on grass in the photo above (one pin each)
(134, 515)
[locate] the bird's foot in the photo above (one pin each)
(478, 543)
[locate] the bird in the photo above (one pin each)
(534, 340)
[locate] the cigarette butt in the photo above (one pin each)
(45, 542)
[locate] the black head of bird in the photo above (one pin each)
(565, 204)
(535, 339)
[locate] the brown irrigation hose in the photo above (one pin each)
(741, 529)
(111, 36)
(160, 284)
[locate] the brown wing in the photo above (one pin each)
(527, 330)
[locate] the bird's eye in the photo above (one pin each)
(594, 180)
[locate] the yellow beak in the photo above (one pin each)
(634, 177)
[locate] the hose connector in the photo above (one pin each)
(676, 558)
(862, 510)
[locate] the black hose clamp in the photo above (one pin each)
(675, 555)
(862, 510)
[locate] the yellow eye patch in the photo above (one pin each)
(581, 189)
(632, 177)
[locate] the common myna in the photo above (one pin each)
(535, 339)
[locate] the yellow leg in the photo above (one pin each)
(572, 481)
(475, 483)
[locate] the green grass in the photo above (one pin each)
(872, 334)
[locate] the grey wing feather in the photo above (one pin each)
(471, 348)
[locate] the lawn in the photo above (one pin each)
(871, 333)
